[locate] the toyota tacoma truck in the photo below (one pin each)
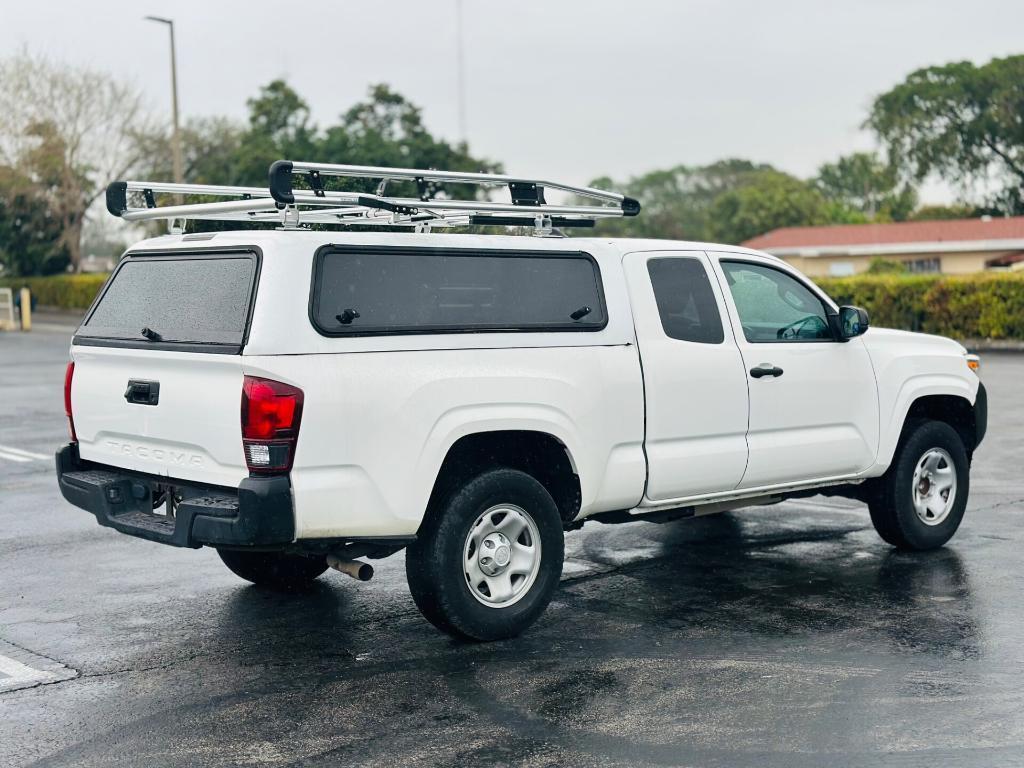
(305, 398)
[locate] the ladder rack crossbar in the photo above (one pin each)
(458, 205)
(196, 189)
(279, 202)
(196, 210)
(454, 177)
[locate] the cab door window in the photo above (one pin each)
(773, 306)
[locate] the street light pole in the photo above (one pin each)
(461, 69)
(176, 135)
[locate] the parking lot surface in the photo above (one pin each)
(788, 635)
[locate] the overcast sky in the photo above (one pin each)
(568, 89)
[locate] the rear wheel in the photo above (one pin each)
(275, 570)
(488, 559)
(920, 501)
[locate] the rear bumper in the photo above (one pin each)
(258, 513)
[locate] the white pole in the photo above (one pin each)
(176, 135)
(462, 70)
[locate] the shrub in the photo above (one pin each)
(982, 306)
(64, 291)
(880, 266)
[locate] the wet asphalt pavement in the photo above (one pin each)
(779, 636)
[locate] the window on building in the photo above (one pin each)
(841, 269)
(924, 266)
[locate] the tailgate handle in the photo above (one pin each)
(142, 392)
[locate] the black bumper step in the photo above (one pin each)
(257, 513)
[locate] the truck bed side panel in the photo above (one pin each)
(377, 426)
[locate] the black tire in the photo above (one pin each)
(434, 562)
(276, 570)
(891, 501)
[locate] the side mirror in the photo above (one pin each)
(853, 321)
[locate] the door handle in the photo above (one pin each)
(765, 369)
(142, 392)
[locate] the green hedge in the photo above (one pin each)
(982, 306)
(65, 291)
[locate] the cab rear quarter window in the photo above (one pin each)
(364, 291)
(686, 301)
(189, 301)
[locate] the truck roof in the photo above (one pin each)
(311, 240)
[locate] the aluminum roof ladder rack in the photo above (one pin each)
(290, 207)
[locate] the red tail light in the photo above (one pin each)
(69, 374)
(271, 412)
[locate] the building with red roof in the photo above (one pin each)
(958, 246)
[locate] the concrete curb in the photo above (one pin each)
(993, 345)
(56, 320)
(54, 328)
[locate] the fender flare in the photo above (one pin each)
(464, 421)
(912, 390)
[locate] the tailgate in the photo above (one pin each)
(192, 431)
(158, 376)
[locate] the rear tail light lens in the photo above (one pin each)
(271, 412)
(69, 374)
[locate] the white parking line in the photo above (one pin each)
(9, 452)
(14, 674)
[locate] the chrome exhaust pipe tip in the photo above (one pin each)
(357, 570)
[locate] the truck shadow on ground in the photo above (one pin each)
(729, 574)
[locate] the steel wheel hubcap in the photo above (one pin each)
(501, 557)
(934, 488)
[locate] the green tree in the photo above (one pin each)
(69, 131)
(862, 182)
(280, 115)
(880, 266)
(943, 212)
(388, 130)
(30, 235)
(669, 209)
(677, 201)
(960, 121)
(385, 129)
(279, 128)
(210, 149)
(772, 200)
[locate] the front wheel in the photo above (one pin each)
(276, 570)
(488, 559)
(919, 502)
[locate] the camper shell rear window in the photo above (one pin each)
(371, 291)
(189, 301)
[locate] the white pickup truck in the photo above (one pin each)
(300, 399)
